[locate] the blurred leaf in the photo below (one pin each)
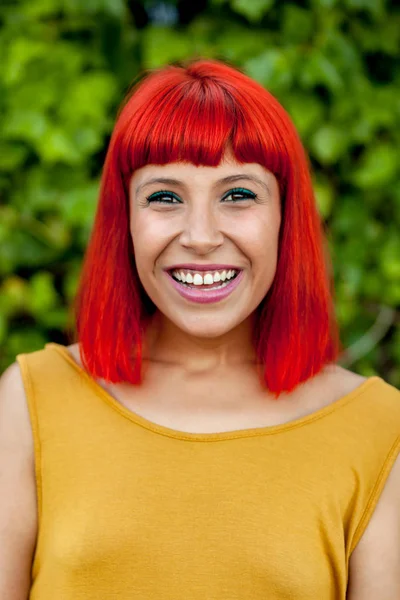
(271, 68)
(162, 45)
(66, 64)
(390, 256)
(306, 110)
(317, 69)
(328, 144)
(93, 93)
(14, 294)
(12, 155)
(324, 196)
(379, 166)
(374, 6)
(56, 146)
(253, 10)
(78, 205)
(26, 125)
(297, 24)
(3, 328)
(21, 52)
(42, 295)
(27, 339)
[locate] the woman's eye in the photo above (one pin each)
(238, 194)
(163, 197)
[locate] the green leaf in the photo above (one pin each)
(271, 69)
(328, 144)
(238, 43)
(253, 10)
(26, 125)
(27, 339)
(77, 206)
(390, 256)
(21, 52)
(324, 3)
(378, 167)
(56, 145)
(324, 195)
(42, 295)
(162, 45)
(297, 24)
(376, 7)
(306, 110)
(94, 93)
(317, 69)
(12, 155)
(3, 328)
(14, 294)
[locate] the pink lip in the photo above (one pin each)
(201, 296)
(194, 267)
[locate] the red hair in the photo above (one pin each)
(194, 113)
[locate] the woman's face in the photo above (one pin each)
(205, 241)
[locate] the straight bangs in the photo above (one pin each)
(196, 114)
(197, 120)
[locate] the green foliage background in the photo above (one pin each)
(65, 66)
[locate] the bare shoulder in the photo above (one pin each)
(13, 403)
(18, 504)
(345, 381)
(73, 349)
(331, 384)
(374, 563)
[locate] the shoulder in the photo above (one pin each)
(13, 401)
(73, 350)
(373, 567)
(374, 563)
(18, 499)
(379, 397)
(344, 381)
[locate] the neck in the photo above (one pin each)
(166, 343)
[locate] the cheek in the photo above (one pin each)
(258, 237)
(150, 236)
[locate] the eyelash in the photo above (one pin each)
(163, 193)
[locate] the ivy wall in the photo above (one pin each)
(66, 64)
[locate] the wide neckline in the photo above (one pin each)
(216, 436)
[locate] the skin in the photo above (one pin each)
(200, 364)
(206, 227)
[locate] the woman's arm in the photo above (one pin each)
(18, 520)
(375, 562)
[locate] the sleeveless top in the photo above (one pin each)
(130, 509)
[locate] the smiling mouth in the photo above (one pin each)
(205, 287)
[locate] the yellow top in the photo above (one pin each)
(133, 510)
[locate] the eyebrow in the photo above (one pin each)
(229, 179)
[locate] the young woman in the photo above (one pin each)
(199, 440)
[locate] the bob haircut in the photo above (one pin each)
(194, 113)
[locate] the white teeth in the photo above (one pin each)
(206, 279)
(197, 279)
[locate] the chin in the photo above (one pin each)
(206, 327)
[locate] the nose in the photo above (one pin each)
(201, 232)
